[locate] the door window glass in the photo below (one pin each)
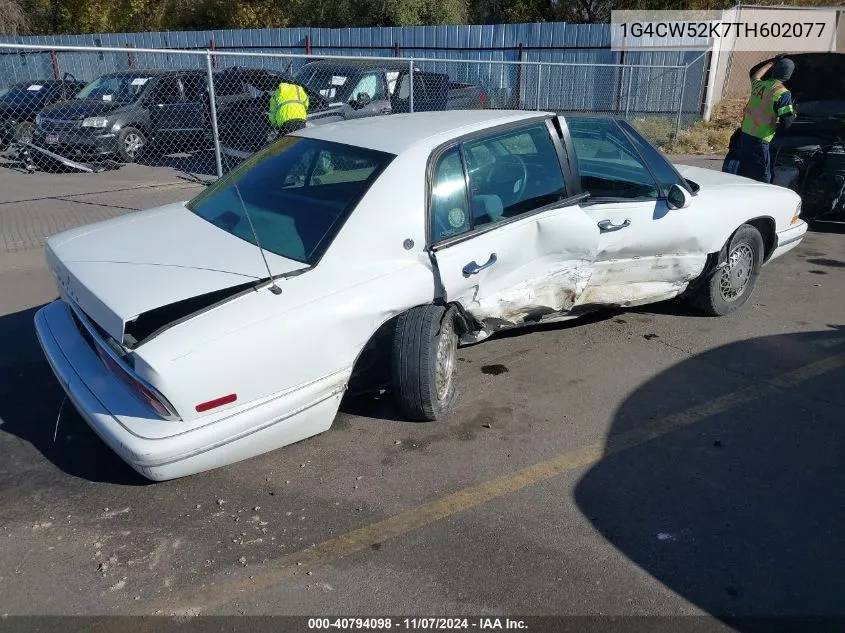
(449, 213)
(513, 173)
(167, 91)
(370, 84)
(662, 168)
(609, 165)
(194, 86)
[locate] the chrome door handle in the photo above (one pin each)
(473, 269)
(606, 226)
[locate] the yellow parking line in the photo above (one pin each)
(226, 589)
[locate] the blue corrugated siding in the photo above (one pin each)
(591, 88)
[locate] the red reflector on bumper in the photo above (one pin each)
(217, 402)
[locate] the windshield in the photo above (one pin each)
(298, 193)
(123, 88)
(23, 91)
(329, 83)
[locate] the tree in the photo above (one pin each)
(13, 19)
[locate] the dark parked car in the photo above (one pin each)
(20, 102)
(123, 113)
(810, 156)
(338, 91)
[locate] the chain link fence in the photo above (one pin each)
(155, 125)
(144, 105)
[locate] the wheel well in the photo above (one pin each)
(766, 226)
(137, 126)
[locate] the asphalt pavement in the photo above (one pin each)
(641, 462)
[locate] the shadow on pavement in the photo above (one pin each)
(741, 511)
(30, 400)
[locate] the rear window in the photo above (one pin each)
(298, 193)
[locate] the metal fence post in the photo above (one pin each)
(628, 93)
(539, 83)
(681, 103)
(411, 85)
(212, 104)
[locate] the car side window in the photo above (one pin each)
(609, 165)
(370, 84)
(194, 86)
(167, 91)
(449, 212)
(660, 165)
(513, 173)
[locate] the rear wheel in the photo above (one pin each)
(730, 287)
(425, 349)
(131, 143)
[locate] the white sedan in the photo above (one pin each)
(198, 334)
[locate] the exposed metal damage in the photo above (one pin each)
(531, 300)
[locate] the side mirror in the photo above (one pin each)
(678, 197)
(361, 101)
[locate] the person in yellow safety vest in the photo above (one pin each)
(769, 109)
(288, 108)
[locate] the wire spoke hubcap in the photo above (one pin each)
(447, 349)
(736, 275)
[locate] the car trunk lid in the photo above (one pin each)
(120, 271)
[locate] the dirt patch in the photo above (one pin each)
(704, 137)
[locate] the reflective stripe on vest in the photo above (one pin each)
(760, 119)
(286, 109)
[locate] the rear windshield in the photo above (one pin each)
(298, 192)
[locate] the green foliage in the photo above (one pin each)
(102, 16)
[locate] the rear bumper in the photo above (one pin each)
(789, 239)
(188, 447)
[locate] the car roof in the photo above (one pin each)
(153, 71)
(359, 64)
(398, 132)
(45, 82)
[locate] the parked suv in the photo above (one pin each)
(124, 113)
(338, 91)
(19, 103)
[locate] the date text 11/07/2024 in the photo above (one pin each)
(416, 624)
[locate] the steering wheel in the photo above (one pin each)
(500, 178)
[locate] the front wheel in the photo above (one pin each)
(730, 287)
(131, 143)
(425, 349)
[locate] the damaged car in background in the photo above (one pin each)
(337, 91)
(21, 102)
(809, 157)
(198, 334)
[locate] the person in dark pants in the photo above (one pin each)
(768, 110)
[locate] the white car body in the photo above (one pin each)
(288, 357)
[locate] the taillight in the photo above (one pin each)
(481, 98)
(136, 387)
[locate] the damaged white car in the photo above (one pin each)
(199, 334)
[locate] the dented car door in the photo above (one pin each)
(510, 243)
(647, 250)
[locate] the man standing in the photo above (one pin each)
(288, 108)
(769, 109)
